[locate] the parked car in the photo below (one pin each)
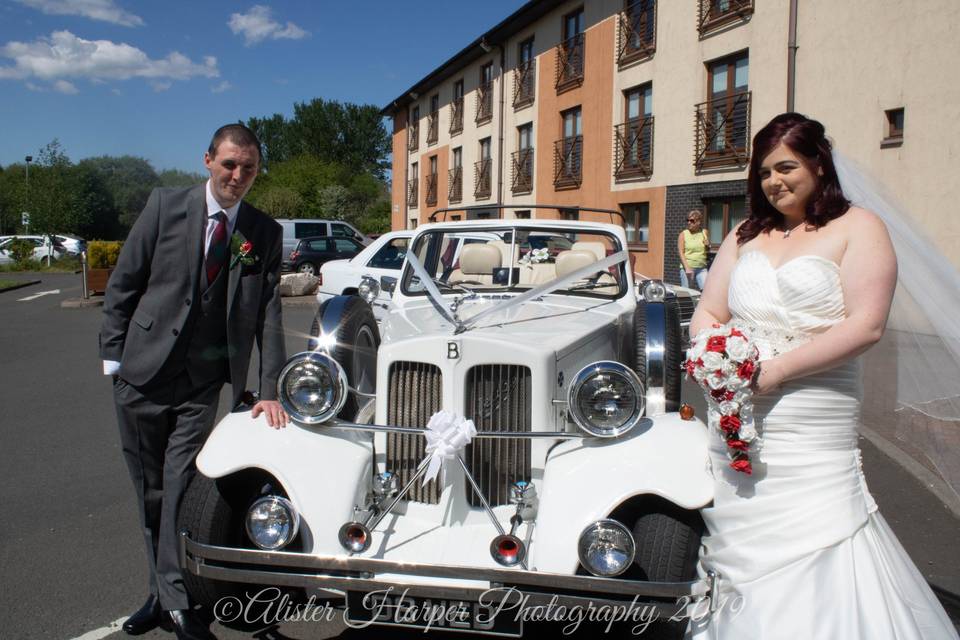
(42, 248)
(581, 482)
(381, 259)
(74, 245)
(312, 253)
(295, 230)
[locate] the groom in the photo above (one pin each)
(197, 280)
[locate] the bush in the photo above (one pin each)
(103, 254)
(21, 251)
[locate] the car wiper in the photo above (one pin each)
(591, 285)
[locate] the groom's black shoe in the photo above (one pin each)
(145, 619)
(188, 626)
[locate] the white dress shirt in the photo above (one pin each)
(111, 367)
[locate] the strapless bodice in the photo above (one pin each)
(783, 307)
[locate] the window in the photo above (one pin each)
(433, 120)
(717, 13)
(412, 223)
(413, 185)
(723, 122)
(456, 218)
(569, 214)
(894, 128)
(638, 34)
(485, 149)
(346, 245)
(522, 215)
(525, 76)
(414, 141)
(634, 153)
(342, 231)
(570, 53)
(308, 229)
(320, 246)
(481, 175)
(432, 182)
(455, 188)
(390, 255)
(485, 94)
(637, 223)
(723, 214)
(456, 108)
(568, 152)
(523, 160)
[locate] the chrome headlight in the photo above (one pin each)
(272, 523)
(312, 387)
(606, 548)
(606, 399)
(369, 289)
(653, 290)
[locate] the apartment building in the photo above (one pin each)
(648, 108)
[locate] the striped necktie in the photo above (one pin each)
(217, 251)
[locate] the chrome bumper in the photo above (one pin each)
(361, 575)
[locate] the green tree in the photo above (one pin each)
(275, 138)
(178, 178)
(129, 180)
(281, 202)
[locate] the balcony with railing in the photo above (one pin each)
(722, 132)
(413, 193)
(634, 148)
(456, 116)
(433, 127)
(570, 55)
(568, 162)
(522, 178)
(455, 186)
(637, 32)
(431, 185)
(525, 84)
(413, 142)
(484, 103)
(713, 14)
(481, 179)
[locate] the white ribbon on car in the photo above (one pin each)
(547, 287)
(430, 287)
(447, 434)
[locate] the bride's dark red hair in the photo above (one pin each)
(805, 137)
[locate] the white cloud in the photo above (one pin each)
(220, 88)
(159, 85)
(64, 55)
(65, 87)
(257, 25)
(105, 10)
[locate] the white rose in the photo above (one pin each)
(729, 369)
(729, 408)
(736, 382)
(747, 430)
(716, 380)
(696, 350)
(712, 360)
(737, 348)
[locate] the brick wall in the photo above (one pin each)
(680, 200)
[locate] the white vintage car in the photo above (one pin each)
(508, 438)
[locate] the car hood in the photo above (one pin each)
(553, 322)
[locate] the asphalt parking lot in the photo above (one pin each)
(70, 552)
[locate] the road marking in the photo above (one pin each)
(103, 632)
(37, 295)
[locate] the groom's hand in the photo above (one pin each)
(276, 416)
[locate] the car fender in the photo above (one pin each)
(325, 471)
(586, 479)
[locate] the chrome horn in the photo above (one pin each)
(507, 549)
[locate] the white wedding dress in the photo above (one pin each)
(800, 547)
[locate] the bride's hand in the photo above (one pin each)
(769, 378)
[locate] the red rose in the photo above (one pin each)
(742, 465)
(718, 394)
(690, 366)
(745, 370)
(729, 395)
(729, 424)
(717, 344)
(739, 445)
(736, 332)
(246, 247)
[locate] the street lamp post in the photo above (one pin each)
(28, 160)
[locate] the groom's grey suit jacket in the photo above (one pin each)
(158, 280)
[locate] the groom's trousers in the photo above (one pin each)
(162, 428)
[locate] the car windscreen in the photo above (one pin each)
(512, 258)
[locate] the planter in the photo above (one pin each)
(97, 280)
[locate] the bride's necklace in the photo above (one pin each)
(786, 234)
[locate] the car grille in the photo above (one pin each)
(415, 393)
(498, 398)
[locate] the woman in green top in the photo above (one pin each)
(692, 245)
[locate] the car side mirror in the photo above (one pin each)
(388, 284)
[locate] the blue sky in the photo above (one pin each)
(154, 79)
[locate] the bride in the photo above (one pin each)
(799, 545)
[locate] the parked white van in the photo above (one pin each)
(297, 228)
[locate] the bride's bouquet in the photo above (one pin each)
(723, 361)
